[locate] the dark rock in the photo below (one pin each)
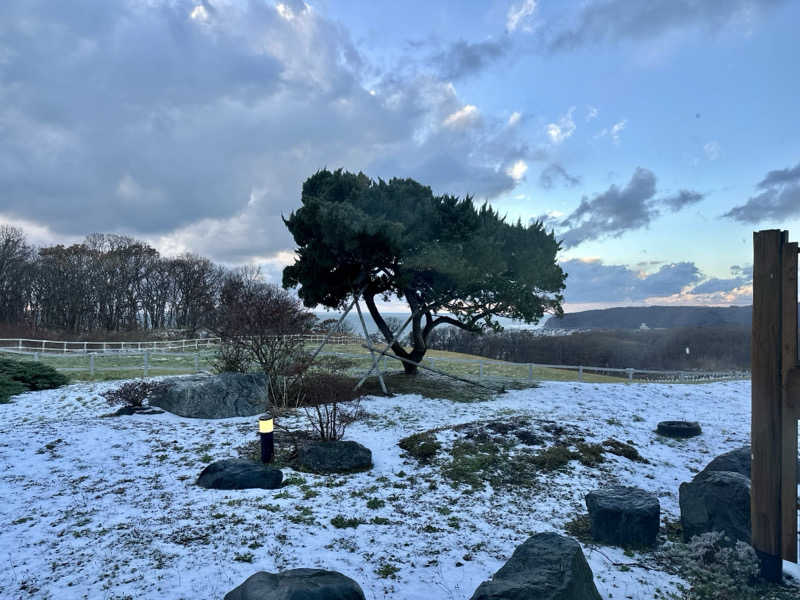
(529, 438)
(737, 460)
(297, 584)
(238, 474)
(135, 410)
(213, 396)
(679, 429)
(624, 516)
(716, 501)
(547, 566)
(334, 457)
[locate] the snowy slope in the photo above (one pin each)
(107, 507)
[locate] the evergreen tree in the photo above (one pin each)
(452, 262)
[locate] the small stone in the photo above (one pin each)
(547, 566)
(239, 474)
(624, 516)
(334, 457)
(297, 584)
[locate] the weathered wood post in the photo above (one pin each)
(774, 398)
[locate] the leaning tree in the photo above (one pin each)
(453, 263)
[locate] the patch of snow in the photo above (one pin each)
(108, 507)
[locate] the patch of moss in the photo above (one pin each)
(422, 446)
(554, 458)
(580, 527)
(590, 454)
(342, 522)
(624, 449)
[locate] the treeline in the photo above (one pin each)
(108, 283)
(703, 348)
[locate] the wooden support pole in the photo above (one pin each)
(766, 401)
(371, 351)
(788, 414)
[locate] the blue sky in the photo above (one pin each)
(654, 137)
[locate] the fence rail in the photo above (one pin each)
(30, 346)
(193, 352)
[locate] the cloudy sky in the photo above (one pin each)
(653, 137)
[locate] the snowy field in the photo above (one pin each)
(104, 508)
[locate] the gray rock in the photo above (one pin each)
(547, 566)
(334, 457)
(737, 460)
(623, 516)
(238, 474)
(716, 501)
(297, 584)
(213, 396)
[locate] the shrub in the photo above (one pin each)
(32, 375)
(9, 387)
(133, 393)
(716, 570)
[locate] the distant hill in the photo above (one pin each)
(655, 317)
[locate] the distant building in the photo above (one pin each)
(643, 327)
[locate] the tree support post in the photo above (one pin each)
(775, 398)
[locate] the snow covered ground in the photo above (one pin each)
(97, 507)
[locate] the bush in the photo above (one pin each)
(133, 393)
(33, 376)
(8, 388)
(716, 570)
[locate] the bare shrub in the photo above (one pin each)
(133, 393)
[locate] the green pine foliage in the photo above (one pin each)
(32, 376)
(441, 254)
(9, 387)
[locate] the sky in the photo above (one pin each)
(652, 137)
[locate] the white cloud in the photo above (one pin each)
(558, 132)
(712, 150)
(199, 13)
(518, 13)
(514, 118)
(517, 170)
(463, 117)
(616, 129)
(591, 113)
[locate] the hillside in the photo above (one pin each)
(655, 317)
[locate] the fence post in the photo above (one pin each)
(43, 343)
(530, 373)
(630, 374)
(580, 373)
(146, 362)
(20, 345)
(65, 348)
(196, 365)
(104, 347)
(91, 365)
(84, 347)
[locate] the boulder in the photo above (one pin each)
(716, 501)
(297, 584)
(239, 474)
(213, 396)
(738, 461)
(334, 457)
(547, 566)
(624, 516)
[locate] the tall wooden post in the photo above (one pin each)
(773, 495)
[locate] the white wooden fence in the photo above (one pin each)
(192, 350)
